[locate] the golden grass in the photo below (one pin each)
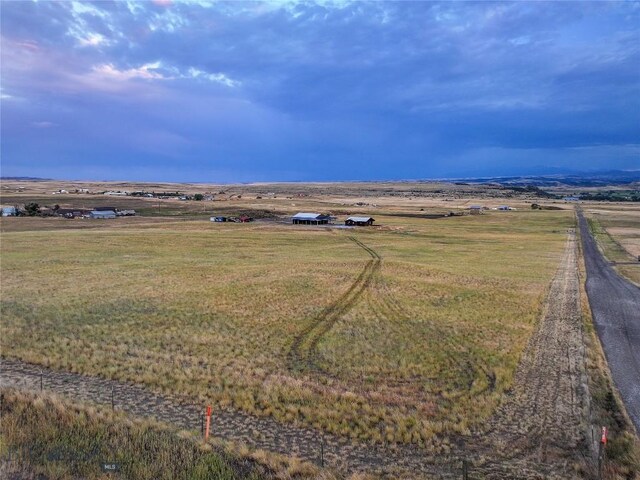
(210, 311)
(45, 436)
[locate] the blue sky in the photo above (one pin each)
(298, 91)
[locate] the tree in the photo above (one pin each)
(32, 209)
(198, 196)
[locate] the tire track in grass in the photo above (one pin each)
(303, 354)
(469, 365)
(534, 434)
(304, 350)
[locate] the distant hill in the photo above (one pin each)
(26, 179)
(574, 179)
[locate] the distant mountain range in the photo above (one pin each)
(26, 179)
(548, 177)
(574, 179)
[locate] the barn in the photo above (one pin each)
(303, 218)
(359, 221)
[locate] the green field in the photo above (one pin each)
(302, 324)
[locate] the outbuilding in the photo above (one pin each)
(9, 211)
(475, 209)
(359, 221)
(303, 218)
(72, 212)
(126, 213)
(102, 214)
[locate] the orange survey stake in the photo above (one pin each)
(208, 424)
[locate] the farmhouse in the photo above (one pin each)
(102, 214)
(310, 219)
(359, 221)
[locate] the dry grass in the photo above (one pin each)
(210, 311)
(43, 435)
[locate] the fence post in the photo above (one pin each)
(601, 452)
(41, 379)
(113, 400)
(600, 462)
(322, 451)
(465, 469)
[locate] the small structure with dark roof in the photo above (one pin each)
(303, 218)
(359, 221)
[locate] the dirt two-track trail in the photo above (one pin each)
(538, 431)
(304, 349)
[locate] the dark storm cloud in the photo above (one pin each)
(242, 91)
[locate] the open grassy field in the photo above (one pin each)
(45, 436)
(397, 333)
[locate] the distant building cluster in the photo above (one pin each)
(33, 209)
(240, 219)
(304, 218)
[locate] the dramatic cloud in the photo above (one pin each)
(237, 91)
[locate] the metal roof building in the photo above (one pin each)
(102, 214)
(360, 221)
(9, 211)
(303, 218)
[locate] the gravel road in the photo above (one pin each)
(615, 304)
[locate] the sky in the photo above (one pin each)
(317, 91)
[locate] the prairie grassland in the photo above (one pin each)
(617, 230)
(45, 435)
(211, 312)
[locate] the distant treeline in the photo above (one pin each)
(612, 196)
